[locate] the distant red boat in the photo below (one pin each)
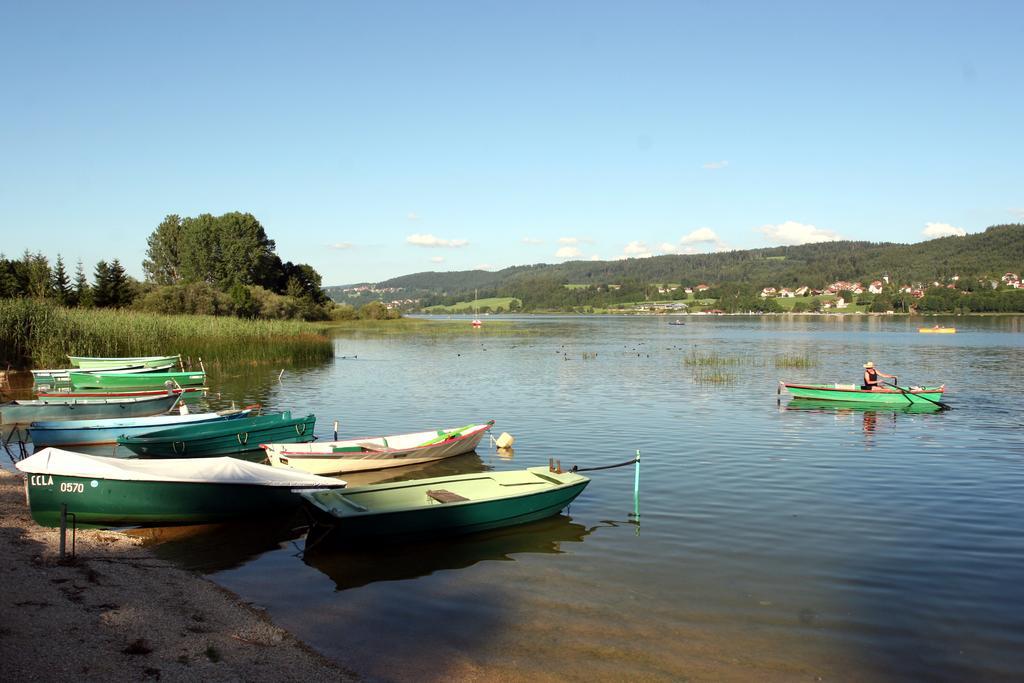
(477, 323)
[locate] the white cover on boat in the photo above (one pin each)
(189, 470)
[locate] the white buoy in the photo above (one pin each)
(504, 441)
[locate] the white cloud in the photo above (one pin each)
(716, 165)
(483, 266)
(568, 240)
(412, 216)
(700, 235)
(437, 259)
(1019, 213)
(568, 252)
(636, 248)
(341, 245)
(792, 233)
(431, 241)
(700, 240)
(595, 257)
(942, 230)
(531, 240)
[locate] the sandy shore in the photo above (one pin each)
(118, 613)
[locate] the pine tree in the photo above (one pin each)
(8, 283)
(60, 284)
(101, 290)
(83, 292)
(119, 288)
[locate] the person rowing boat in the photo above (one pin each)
(871, 375)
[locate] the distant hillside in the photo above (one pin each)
(996, 250)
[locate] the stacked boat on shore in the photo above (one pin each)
(186, 468)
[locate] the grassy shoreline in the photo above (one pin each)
(35, 334)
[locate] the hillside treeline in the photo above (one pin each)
(986, 255)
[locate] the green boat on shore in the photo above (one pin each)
(852, 393)
(103, 491)
(146, 380)
(92, 363)
(221, 438)
(457, 504)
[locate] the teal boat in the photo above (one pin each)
(25, 412)
(95, 432)
(145, 380)
(93, 363)
(882, 395)
(103, 491)
(221, 438)
(457, 504)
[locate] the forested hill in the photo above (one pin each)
(997, 250)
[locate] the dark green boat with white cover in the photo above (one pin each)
(221, 438)
(458, 504)
(117, 492)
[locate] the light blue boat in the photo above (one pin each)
(93, 432)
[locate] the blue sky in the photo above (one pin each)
(378, 139)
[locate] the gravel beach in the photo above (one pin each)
(117, 613)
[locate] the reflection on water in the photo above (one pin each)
(217, 547)
(354, 567)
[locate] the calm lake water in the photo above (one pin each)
(773, 543)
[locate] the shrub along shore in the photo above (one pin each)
(36, 334)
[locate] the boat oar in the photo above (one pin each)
(907, 395)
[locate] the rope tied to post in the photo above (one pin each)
(577, 468)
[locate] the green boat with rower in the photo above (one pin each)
(884, 394)
(243, 435)
(147, 380)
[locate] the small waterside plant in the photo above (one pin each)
(709, 359)
(795, 360)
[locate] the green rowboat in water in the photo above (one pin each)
(221, 438)
(116, 492)
(882, 395)
(445, 505)
(93, 363)
(146, 380)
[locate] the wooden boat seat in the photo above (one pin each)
(442, 496)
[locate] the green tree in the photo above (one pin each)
(101, 290)
(163, 260)
(37, 275)
(60, 285)
(83, 292)
(121, 290)
(243, 302)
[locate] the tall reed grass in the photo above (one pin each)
(37, 334)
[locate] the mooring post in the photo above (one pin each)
(63, 528)
(636, 488)
(335, 430)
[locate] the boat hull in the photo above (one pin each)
(146, 380)
(321, 458)
(96, 432)
(852, 394)
(112, 502)
(453, 518)
(240, 436)
(93, 363)
(25, 412)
